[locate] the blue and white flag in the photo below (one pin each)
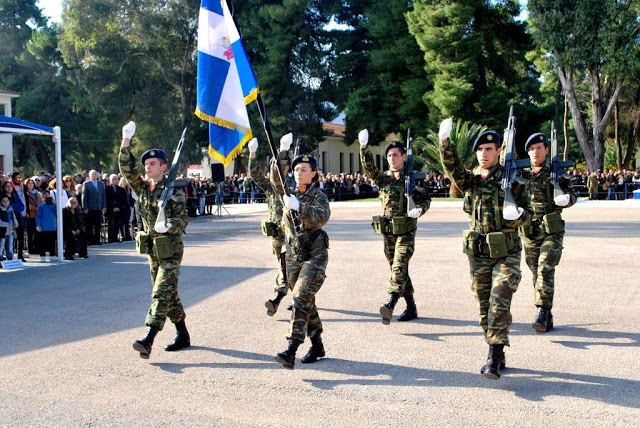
(226, 82)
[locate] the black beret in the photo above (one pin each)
(394, 145)
(486, 137)
(306, 159)
(536, 138)
(153, 153)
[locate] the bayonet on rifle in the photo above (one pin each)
(509, 164)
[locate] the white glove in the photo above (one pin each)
(415, 213)
(128, 130)
(253, 145)
(162, 228)
(363, 137)
(512, 213)
(39, 229)
(562, 200)
(291, 202)
(445, 129)
(285, 142)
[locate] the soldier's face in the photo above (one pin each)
(537, 153)
(303, 173)
(488, 155)
(155, 168)
(396, 158)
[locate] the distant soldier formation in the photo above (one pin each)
(511, 204)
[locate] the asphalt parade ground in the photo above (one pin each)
(66, 358)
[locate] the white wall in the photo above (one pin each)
(6, 140)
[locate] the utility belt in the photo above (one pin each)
(161, 246)
(270, 228)
(393, 225)
(319, 239)
(548, 224)
(495, 244)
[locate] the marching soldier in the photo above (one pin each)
(543, 237)
(162, 243)
(492, 243)
(592, 185)
(398, 224)
(273, 226)
(307, 257)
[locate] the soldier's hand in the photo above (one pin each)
(512, 213)
(562, 200)
(291, 202)
(285, 142)
(253, 145)
(128, 130)
(162, 227)
(445, 130)
(363, 138)
(415, 213)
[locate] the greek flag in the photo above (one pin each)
(226, 83)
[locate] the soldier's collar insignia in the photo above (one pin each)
(302, 187)
(484, 173)
(536, 169)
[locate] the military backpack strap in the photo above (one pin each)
(474, 194)
(549, 187)
(496, 206)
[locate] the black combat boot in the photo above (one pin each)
(496, 361)
(182, 339)
(411, 312)
(288, 357)
(386, 310)
(543, 321)
(315, 352)
(144, 346)
(272, 304)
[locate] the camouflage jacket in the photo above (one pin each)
(540, 191)
(480, 194)
(176, 211)
(314, 211)
(273, 201)
(394, 202)
(592, 181)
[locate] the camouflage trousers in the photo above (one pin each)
(493, 282)
(542, 253)
(593, 193)
(398, 250)
(306, 277)
(165, 301)
(277, 243)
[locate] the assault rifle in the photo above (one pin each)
(296, 150)
(509, 161)
(410, 178)
(557, 166)
(171, 183)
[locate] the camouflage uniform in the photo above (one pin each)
(493, 280)
(543, 250)
(592, 185)
(397, 248)
(307, 257)
(275, 215)
(165, 301)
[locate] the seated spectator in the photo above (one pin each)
(46, 226)
(73, 231)
(8, 224)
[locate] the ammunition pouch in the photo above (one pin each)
(270, 228)
(165, 246)
(395, 225)
(142, 242)
(319, 239)
(552, 223)
(494, 245)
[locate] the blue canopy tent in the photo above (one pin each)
(10, 125)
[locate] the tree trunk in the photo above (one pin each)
(634, 130)
(44, 157)
(616, 137)
(565, 128)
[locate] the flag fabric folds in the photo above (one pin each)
(226, 82)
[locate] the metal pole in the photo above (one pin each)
(57, 139)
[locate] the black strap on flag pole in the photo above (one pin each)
(272, 145)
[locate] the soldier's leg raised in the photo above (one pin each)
(550, 254)
(406, 247)
(280, 288)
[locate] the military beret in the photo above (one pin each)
(394, 145)
(536, 138)
(306, 159)
(486, 137)
(153, 153)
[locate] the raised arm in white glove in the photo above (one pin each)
(415, 213)
(253, 145)
(285, 142)
(562, 200)
(162, 228)
(445, 129)
(128, 130)
(291, 202)
(363, 138)
(512, 213)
